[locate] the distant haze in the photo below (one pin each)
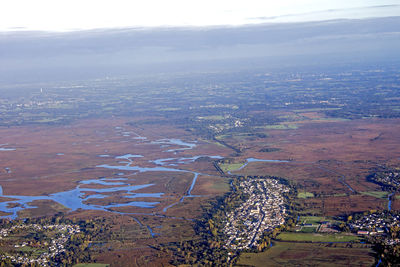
(69, 15)
(41, 56)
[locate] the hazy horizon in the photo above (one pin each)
(73, 15)
(39, 56)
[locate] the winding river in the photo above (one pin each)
(78, 197)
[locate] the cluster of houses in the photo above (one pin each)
(391, 178)
(263, 211)
(375, 223)
(56, 246)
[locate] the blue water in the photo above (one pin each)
(170, 206)
(7, 149)
(163, 162)
(390, 201)
(102, 182)
(139, 169)
(189, 192)
(183, 160)
(169, 142)
(139, 138)
(77, 198)
(136, 220)
(151, 232)
(129, 156)
(128, 167)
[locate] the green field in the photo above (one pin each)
(226, 167)
(340, 195)
(305, 195)
(91, 265)
(280, 127)
(377, 194)
(311, 229)
(305, 237)
(32, 251)
(309, 254)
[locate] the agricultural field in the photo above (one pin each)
(305, 195)
(295, 254)
(376, 194)
(329, 238)
(228, 167)
(158, 158)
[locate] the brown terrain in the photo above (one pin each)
(330, 159)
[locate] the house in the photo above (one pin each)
(362, 233)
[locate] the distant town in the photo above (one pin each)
(262, 211)
(52, 248)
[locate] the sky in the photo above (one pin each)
(71, 15)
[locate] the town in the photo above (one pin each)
(387, 178)
(263, 211)
(381, 223)
(52, 246)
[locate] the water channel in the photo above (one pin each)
(77, 198)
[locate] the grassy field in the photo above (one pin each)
(280, 127)
(377, 194)
(305, 195)
(309, 254)
(340, 195)
(32, 251)
(306, 237)
(308, 229)
(231, 167)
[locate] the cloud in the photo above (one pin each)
(43, 56)
(330, 14)
(62, 15)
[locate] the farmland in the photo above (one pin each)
(301, 237)
(159, 157)
(294, 254)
